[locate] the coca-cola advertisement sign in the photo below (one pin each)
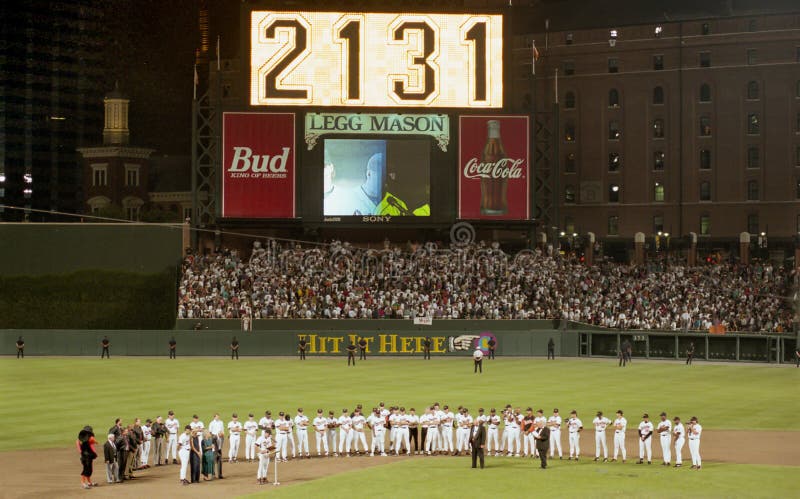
(258, 165)
(494, 168)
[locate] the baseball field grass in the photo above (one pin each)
(45, 401)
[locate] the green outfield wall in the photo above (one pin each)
(447, 339)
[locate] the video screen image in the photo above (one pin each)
(376, 177)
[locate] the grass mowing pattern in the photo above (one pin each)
(61, 395)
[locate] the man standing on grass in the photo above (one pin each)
(645, 442)
(695, 430)
(301, 347)
(359, 423)
(542, 436)
(477, 356)
(620, 425)
(477, 442)
(159, 431)
(105, 343)
(172, 426)
(185, 452)
(345, 424)
(320, 424)
(234, 348)
(173, 345)
(664, 429)
(20, 348)
(234, 438)
(333, 423)
(551, 350)
(351, 354)
(251, 432)
(110, 455)
(147, 437)
(301, 424)
(600, 423)
(491, 435)
(690, 353)
(574, 427)
(554, 423)
(362, 349)
(679, 436)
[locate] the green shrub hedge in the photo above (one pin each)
(90, 299)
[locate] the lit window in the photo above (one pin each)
(569, 132)
(658, 191)
(705, 225)
(659, 160)
(752, 124)
(614, 162)
(658, 128)
(705, 126)
(613, 193)
(658, 31)
(614, 132)
(569, 194)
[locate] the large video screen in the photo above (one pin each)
(364, 177)
(370, 59)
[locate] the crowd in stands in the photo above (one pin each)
(480, 281)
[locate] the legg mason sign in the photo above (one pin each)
(433, 125)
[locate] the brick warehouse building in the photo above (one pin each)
(674, 127)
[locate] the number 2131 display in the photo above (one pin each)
(376, 59)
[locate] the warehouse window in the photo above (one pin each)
(705, 159)
(613, 193)
(569, 38)
(569, 163)
(569, 194)
(569, 132)
(613, 98)
(614, 161)
(705, 29)
(797, 156)
(705, 126)
(99, 175)
(613, 65)
(659, 160)
(658, 62)
(705, 190)
(752, 223)
(569, 100)
(658, 128)
(752, 190)
(658, 192)
(613, 225)
(705, 59)
(797, 189)
(753, 126)
(658, 95)
(658, 224)
(752, 90)
(752, 57)
(705, 93)
(753, 157)
(614, 132)
(705, 225)
(569, 68)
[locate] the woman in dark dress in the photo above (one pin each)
(208, 455)
(86, 446)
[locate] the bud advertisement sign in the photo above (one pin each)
(493, 168)
(258, 165)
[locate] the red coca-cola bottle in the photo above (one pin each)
(494, 188)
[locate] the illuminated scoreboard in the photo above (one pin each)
(376, 59)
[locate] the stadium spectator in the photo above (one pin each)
(480, 281)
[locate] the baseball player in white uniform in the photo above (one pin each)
(695, 430)
(283, 428)
(321, 432)
(620, 425)
(600, 423)
(301, 424)
(359, 424)
(645, 439)
(492, 433)
(147, 436)
(377, 423)
(664, 430)
(332, 434)
(431, 422)
(574, 428)
(266, 423)
(401, 436)
(554, 422)
(392, 420)
(510, 432)
(446, 418)
(172, 425)
(251, 435)
(345, 433)
(290, 437)
(264, 444)
(463, 432)
(183, 452)
(527, 428)
(234, 438)
(196, 424)
(679, 435)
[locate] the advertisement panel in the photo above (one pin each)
(494, 171)
(376, 59)
(258, 165)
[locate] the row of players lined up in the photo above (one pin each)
(431, 433)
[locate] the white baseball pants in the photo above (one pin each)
(302, 442)
(646, 446)
(250, 447)
(263, 466)
(145, 452)
(184, 455)
(234, 441)
(600, 441)
(694, 450)
(679, 450)
(446, 437)
(665, 448)
(491, 436)
(400, 438)
(172, 443)
(378, 441)
(555, 442)
(332, 439)
(431, 439)
(345, 440)
(574, 444)
(280, 443)
(322, 442)
(619, 444)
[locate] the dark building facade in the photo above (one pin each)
(674, 127)
(50, 102)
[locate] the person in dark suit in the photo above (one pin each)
(123, 449)
(478, 443)
(110, 456)
(542, 436)
(362, 349)
(551, 349)
(196, 456)
(20, 348)
(172, 348)
(426, 348)
(234, 348)
(105, 343)
(302, 347)
(351, 354)
(492, 347)
(218, 442)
